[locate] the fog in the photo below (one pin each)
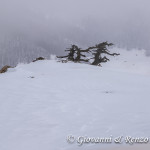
(30, 28)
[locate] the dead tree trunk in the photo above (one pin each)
(102, 49)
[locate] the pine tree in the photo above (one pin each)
(71, 53)
(75, 50)
(102, 49)
(76, 54)
(79, 56)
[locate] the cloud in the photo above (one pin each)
(125, 22)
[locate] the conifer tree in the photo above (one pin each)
(102, 49)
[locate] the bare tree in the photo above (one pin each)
(71, 53)
(102, 49)
(78, 51)
(96, 50)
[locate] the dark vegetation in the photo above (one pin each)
(77, 54)
(39, 58)
(4, 69)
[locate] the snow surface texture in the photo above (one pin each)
(42, 103)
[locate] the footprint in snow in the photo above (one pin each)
(107, 92)
(31, 77)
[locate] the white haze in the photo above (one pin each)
(40, 27)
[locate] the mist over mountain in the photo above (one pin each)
(43, 27)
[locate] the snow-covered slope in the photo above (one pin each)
(42, 103)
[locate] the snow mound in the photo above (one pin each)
(42, 103)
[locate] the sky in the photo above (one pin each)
(49, 23)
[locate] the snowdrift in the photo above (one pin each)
(42, 103)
